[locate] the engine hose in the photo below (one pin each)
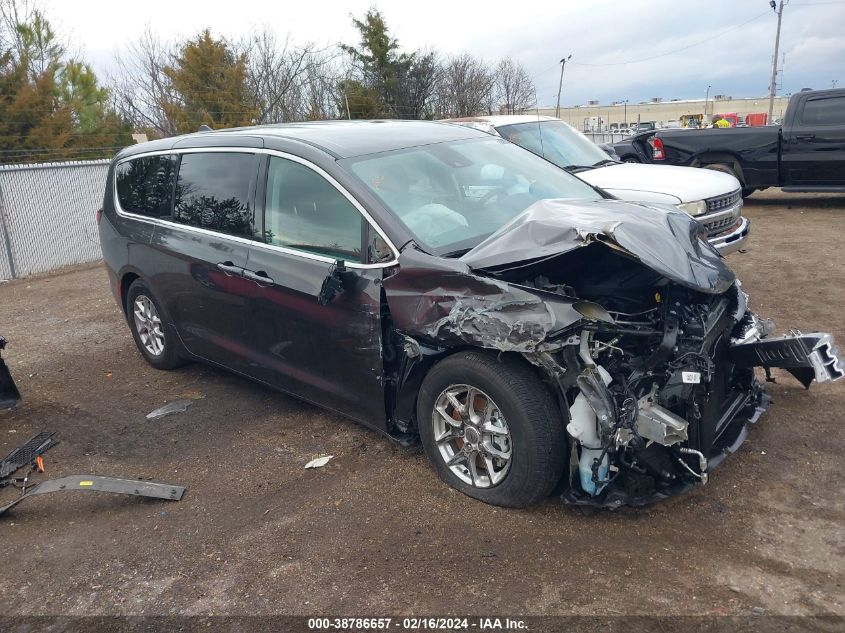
(702, 462)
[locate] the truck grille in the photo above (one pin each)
(720, 225)
(722, 213)
(723, 202)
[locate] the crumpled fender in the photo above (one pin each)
(660, 237)
(441, 301)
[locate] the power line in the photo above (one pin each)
(664, 54)
(678, 50)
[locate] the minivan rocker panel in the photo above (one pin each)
(436, 283)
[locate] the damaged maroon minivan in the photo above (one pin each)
(431, 281)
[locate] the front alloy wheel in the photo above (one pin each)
(491, 428)
(472, 436)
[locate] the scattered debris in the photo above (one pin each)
(319, 461)
(177, 406)
(31, 455)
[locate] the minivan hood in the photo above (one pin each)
(688, 184)
(662, 238)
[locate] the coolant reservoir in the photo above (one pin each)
(583, 426)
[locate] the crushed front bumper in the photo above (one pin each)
(734, 430)
(808, 357)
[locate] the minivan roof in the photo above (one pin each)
(342, 139)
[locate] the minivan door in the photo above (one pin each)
(203, 250)
(329, 353)
(813, 152)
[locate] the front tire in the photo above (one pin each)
(491, 429)
(155, 339)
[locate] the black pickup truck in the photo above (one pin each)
(805, 153)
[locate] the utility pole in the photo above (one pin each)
(625, 117)
(773, 84)
(560, 85)
(706, 99)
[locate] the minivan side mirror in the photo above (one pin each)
(333, 284)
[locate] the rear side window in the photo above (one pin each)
(304, 211)
(826, 111)
(216, 191)
(145, 185)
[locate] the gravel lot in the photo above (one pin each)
(375, 532)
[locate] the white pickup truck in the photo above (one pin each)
(711, 197)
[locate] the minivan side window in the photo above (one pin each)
(824, 111)
(145, 185)
(216, 191)
(304, 211)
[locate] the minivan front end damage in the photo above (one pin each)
(636, 324)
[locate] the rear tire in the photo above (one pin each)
(722, 167)
(156, 340)
(525, 411)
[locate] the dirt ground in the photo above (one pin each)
(375, 532)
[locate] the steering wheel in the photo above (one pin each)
(493, 193)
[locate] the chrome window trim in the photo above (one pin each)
(282, 249)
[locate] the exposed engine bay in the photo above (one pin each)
(659, 384)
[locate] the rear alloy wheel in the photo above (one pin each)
(491, 428)
(156, 340)
(148, 325)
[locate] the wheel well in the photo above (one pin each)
(726, 159)
(125, 282)
(411, 387)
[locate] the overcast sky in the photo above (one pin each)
(619, 49)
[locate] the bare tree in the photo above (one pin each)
(514, 87)
(282, 78)
(465, 87)
(319, 88)
(142, 91)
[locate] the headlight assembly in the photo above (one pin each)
(694, 208)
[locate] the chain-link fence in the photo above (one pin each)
(599, 138)
(47, 215)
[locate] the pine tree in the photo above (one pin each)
(210, 81)
(51, 108)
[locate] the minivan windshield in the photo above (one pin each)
(557, 142)
(452, 195)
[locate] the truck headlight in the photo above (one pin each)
(694, 208)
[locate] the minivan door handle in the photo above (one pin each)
(230, 269)
(260, 277)
(804, 137)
